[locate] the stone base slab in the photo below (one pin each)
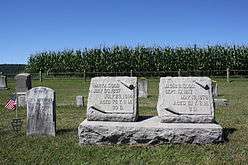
(148, 131)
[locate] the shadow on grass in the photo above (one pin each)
(227, 132)
(65, 131)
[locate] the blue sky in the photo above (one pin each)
(30, 26)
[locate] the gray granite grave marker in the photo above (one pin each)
(41, 114)
(113, 99)
(143, 87)
(185, 99)
(79, 101)
(215, 89)
(23, 82)
(3, 82)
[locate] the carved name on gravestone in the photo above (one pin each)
(41, 116)
(143, 87)
(3, 83)
(23, 82)
(113, 99)
(185, 99)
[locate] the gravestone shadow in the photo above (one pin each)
(142, 118)
(227, 132)
(65, 131)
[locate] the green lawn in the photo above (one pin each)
(64, 148)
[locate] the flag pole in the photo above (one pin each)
(16, 105)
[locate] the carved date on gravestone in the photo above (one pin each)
(185, 96)
(41, 111)
(113, 94)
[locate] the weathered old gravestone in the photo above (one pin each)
(185, 109)
(21, 99)
(41, 114)
(23, 82)
(3, 82)
(113, 99)
(185, 99)
(215, 89)
(143, 87)
(79, 101)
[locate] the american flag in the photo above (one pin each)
(11, 104)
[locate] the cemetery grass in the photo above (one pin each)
(64, 148)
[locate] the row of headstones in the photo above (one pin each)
(181, 100)
(24, 83)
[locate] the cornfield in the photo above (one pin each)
(140, 59)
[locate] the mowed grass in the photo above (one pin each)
(64, 148)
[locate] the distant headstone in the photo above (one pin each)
(23, 82)
(79, 101)
(41, 114)
(221, 102)
(215, 89)
(143, 87)
(185, 100)
(113, 99)
(3, 82)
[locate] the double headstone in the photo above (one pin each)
(3, 82)
(185, 113)
(41, 114)
(23, 84)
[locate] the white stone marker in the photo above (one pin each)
(3, 83)
(113, 99)
(143, 87)
(185, 100)
(79, 101)
(41, 115)
(215, 89)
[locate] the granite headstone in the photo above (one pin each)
(215, 89)
(143, 87)
(113, 99)
(3, 82)
(185, 100)
(79, 101)
(23, 82)
(41, 113)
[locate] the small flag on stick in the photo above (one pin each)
(11, 104)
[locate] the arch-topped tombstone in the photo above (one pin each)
(41, 113)
(23, 82)
(113, 99)
(185, 99)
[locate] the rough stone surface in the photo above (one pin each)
(21, 99)
(143, 87)
(41, 116)
(148, 131)
(185, 100)
(113, 99)
(23, 82)
(221, 102)
(215, 89)
(3, 82)
(79, 101)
